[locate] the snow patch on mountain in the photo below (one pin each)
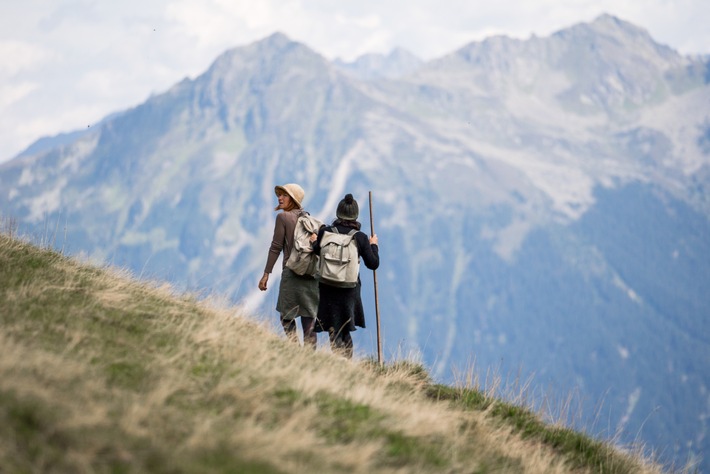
(74, 155)
(46, 203)
(222, 162)
(27, 177)
(633, 400)
(158, 239)
(339, 180)
(508, 240)
(531, 200)
(632, 295)
(694, 105)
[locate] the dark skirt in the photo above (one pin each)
(339, 309)
(298, 296)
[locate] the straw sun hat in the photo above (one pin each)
(292, 189)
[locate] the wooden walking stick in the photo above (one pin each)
(377, 301)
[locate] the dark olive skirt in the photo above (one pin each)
(298, 296)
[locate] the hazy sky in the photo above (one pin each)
(65, 64)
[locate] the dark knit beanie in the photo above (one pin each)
(348, 209)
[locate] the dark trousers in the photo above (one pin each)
(310, 338)
(341, 342)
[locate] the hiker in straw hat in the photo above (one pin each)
(298, 294)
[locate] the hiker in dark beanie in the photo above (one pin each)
(298, 294)
(340, 308)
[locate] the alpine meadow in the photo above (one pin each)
(543, 218)
(102, 373)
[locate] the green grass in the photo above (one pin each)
(579, 449)
(102, 373)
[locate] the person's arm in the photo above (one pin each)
(369, 250)
(277, 245)
(315, 244)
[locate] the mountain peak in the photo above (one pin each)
(606, 21)
(276, 39)
(274, 51)
(271, 44)
(610, 61)
(619, 33)
(610, 26)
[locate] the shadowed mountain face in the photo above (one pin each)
(541, 205)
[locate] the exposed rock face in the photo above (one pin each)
(542, 205)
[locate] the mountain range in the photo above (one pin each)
(542, 207)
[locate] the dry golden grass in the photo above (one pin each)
(101, 373)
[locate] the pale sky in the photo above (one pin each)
(66, 64)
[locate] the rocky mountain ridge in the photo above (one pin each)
(542, 205)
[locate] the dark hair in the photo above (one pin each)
(354, 224)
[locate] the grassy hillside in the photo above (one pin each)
(101, 373)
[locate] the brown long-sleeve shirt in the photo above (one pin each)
(282, 239)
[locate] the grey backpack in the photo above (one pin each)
(302, 260)
(339, 259)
